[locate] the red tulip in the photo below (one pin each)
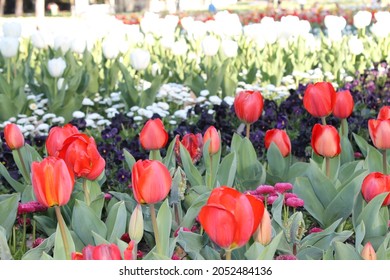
(325, 140)
(81, 155)
(374, 184)
(193, 143)
(380, 133)
(230, 218)
(99, 252)
(319, 99)
(343, 106)
(153, 135)
(215, 141)
(52, 181)
(384, 113)
(13, 136)
(151, 181)
(280, 139)
(248, 106)
(57, 136)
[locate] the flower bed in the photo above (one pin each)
(150, 139)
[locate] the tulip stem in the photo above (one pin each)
(24, 234)
(155, 155)
(155, 228)
(61, 223)
(135, 249)
(344, 126)
(9, 71)
(55, 90)
(248, 130)
(24, 169)
(327, 166)
(228, 255)
(323, 120)
(34, 225)
(86, 192)
(384, 161)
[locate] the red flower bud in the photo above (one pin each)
(319, 99)
(374, 184)
(325, 140)
(380, 133)
(153, 135)
(248, 106)
(215, 142)
(280, 139)
(13, 136)
(343, 106)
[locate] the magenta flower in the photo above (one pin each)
(30, 207)
(37, 242)
(265, 189)
(271, 199)
(315, 230)
(289, 195)
(176, 233)
(294, 202)
(283, 187)
(286, 257)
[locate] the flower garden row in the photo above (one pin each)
(308, 176)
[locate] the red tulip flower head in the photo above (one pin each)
(384, 113)
(230, 218)
(153, 135)
(81, 155)
(380, 133)
(248, 106)
(13, 136)
(151, 181)
(319, 99)
(374, 184)
(343, 106)
(280, 139)
(215, 141)
(52, 181)
(57, 136)
(325, 140)
(193, 143)
(99, 252)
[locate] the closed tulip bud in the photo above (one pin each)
(325, 140)
(13, 136)
(57, 135)
(379, 131)
(52, 181)
(82, 156)
(12, 29)
(9, 47)
(368, 252)
(263, 234)
(212, 135)
(56, 67)
(229, 48)
(343, 106)
(362, 19)
(319, 99)
(384, 113)
(248, 106)
(230, 218)
(151, 181)
(280, 139)
(136, 224)
(153, 135)
(110, 49)
(139, 59)
(375, 184)
(210, 45)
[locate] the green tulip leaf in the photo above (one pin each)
(362, 144)
(59, 247)
(164, 225)
(360, 232)
(193, 174)
(347, 152)
(191, 243)
(98, 239)
(344, 251)
(116, 221)
(8, 210)
(276, 162)
(373, 161)
(44, 248)
(46, 224)
(84, 221)
(18, 187)
(130, 160)
(170, 158)
(5, 253)
(227, 170)
(260, 252)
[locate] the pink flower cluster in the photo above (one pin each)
(30, 207)
(268, 194)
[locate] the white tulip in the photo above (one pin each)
(355, 45)
(382, 16)
(179, 47)
(362, 19)
(381, 29)
(335, 22)
(41, 39)
(79, 45)
(156, 69)
(229, 48)
(12, 29)
(9, 46)
(60, 84)
(62, 42)
(56, 67)
(210, 45)
(139, 59)
(110, 49)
